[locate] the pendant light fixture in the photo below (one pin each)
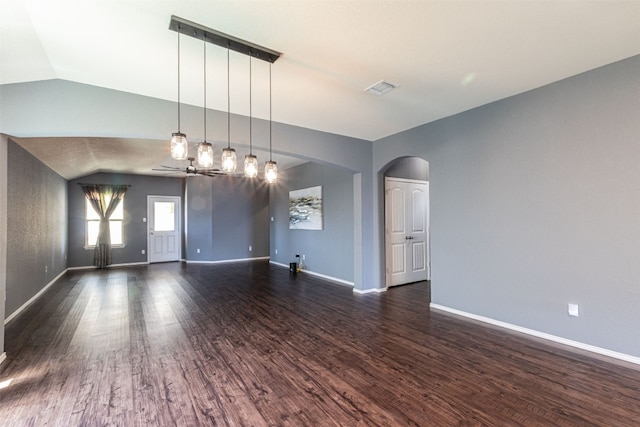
(179, 145)
(250, 161)
(270, 167)
(229, 160)
(205, 149)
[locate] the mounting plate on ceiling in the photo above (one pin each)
(201, 32)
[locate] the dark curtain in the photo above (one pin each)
(97, 195)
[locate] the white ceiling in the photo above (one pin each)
(447, 56)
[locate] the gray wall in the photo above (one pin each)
(226, 215)
(62, 108)
(535, 203)
(4, 141)
(36, 226)
(135, 209)
(328, 251)
(409, 168)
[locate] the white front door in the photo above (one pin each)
(164, 228)
(406, 231)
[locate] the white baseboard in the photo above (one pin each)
(538, 334)
(3, 357)
(87, 267)
(278, 263)
(225, 261)
(369, 291)
(33, 298)
(312, 273)
(129, 264)
(92, 267)
(330, 278)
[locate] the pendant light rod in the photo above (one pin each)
(228, 160)
(250, 161)
(270, 167)
(179, 79)
(179, 147)
(270, 122)
(221, 39)
(204, 54)
(228, 104)
(250, 115)
(205, 149)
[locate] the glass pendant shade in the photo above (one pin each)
(179, 146)
(229, 160)
(250, 166)
(205, 154)
(270, 172)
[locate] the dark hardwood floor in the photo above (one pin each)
(248, 344)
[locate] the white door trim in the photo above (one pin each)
(389, 263)
(178, 214)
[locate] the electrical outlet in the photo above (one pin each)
(198, 250)
(46, 268)
(304, 257)
(271, 219)
(276, 252)
(574, 309)
(250, 248)
(142, 252)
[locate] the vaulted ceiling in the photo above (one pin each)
(446, 56)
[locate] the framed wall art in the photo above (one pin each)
(305, 209)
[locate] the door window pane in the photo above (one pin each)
(164, 216)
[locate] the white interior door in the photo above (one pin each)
(164, 228)
(406, 231)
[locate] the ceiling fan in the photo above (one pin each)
(191, 170)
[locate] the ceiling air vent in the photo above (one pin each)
(381, 87)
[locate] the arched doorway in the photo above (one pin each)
(406, 222)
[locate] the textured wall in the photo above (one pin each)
(329, 251)
(535, 203)
(3, 232)
(135, 209)
(36, 226)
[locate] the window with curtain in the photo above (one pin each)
(93, 224)
(104, 200)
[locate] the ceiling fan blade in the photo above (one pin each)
(168, 170)
(203, 173)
